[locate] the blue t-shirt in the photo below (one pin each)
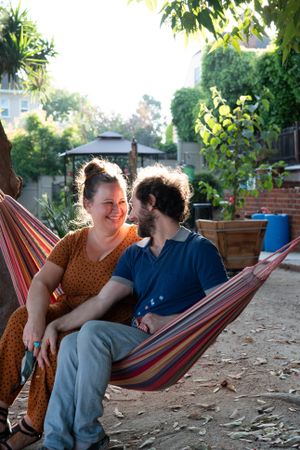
(187, 266)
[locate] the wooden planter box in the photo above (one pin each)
(238, 241)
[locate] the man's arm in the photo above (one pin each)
(94, 308)
(150, 322)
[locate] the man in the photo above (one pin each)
(169, 271)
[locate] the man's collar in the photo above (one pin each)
(181, 236)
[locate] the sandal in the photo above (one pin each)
(27, 430)
(3, 419)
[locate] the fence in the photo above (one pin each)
(288, 145)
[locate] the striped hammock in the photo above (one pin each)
(163, 358)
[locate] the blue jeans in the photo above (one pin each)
(83, 372)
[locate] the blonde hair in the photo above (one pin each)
(90, 176)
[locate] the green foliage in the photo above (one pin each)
(242, 18)
(221, 67)
(168, 147)
(184, 110)
(60, 104)
(283, 82)
(145, 125)
(59, 215)
(200, 196)
(37, 146)
(24, 53)
(169, 134)
(235, 143)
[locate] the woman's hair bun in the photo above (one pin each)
(92, 169)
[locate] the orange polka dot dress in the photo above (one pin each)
(82, 279)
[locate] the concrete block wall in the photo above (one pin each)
(282, 201)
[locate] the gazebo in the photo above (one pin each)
(112, 146)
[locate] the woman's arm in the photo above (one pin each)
(94, 308)
(42, 286)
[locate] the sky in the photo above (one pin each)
(112, 51)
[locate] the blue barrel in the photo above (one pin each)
(277, 233)
(260, 216)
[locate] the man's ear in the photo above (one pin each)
(151, 201)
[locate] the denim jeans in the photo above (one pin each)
(83, 372)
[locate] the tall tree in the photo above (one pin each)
(145, 125)
(244, 17)
(24, 55)
(62, 105)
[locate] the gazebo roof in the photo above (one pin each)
(110, 143)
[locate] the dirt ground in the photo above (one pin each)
(215, 406)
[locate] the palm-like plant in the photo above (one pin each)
(23, 50)
(24, 56)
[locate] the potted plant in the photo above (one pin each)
(235, 144)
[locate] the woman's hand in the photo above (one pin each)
(33, 333)
(49, 343)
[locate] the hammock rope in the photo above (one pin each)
(163, 358)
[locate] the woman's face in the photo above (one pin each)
(109, 207)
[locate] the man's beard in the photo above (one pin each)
(146, 223)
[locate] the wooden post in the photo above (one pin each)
(132, 161)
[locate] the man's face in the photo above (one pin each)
(142, 217)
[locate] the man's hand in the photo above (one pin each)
(49, 343)
(154, 322)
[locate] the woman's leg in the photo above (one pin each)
(11, 354)
(76, 400)
(43, 379)
(41, 382)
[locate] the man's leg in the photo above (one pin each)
(59, 418)
(99, 344)
(84, 368)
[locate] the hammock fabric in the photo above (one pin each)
(25, 243)
(163, 358)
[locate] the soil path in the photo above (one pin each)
(214, 406)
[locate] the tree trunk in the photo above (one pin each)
(10, 184)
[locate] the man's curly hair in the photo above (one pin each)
(169, 186)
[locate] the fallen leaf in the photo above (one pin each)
(118, 413)
(147, 442)
(234, 424)
(260, 361)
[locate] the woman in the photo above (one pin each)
(82, 262)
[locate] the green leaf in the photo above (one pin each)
(216, 128)
(151, 4)
(215, 141)
(189, 21)
(266, 104)
(204, 19)
(224, 110)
